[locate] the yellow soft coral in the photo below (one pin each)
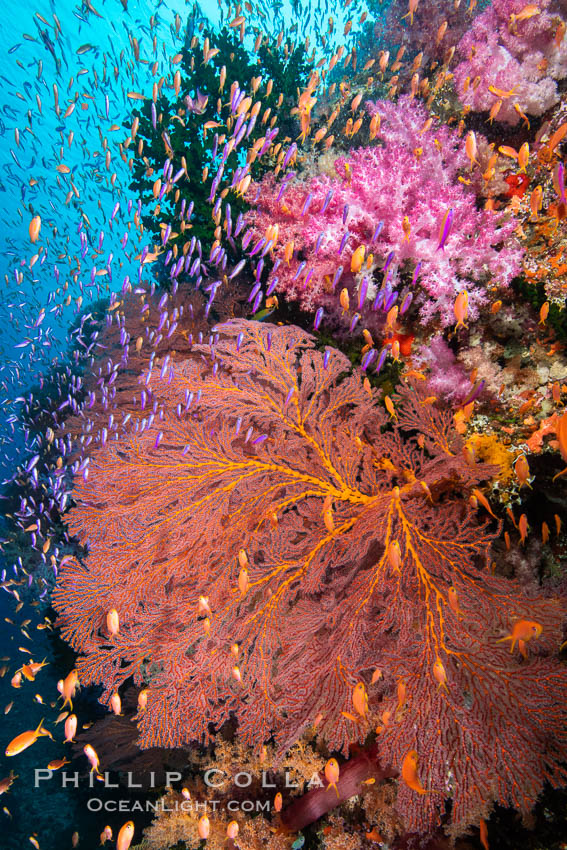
(489, 448)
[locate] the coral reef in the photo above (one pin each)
(512, 56)
(335, 559)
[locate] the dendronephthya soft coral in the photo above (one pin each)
(396, 224)
(512, 57)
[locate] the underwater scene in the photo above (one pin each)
(283, 425)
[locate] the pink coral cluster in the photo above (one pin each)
(447, 378)
(391, 199)
(514, 48)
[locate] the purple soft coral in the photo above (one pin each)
(408, 183)
(518, 51)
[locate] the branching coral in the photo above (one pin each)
(272, 552)
(390, 202)
(519, 52)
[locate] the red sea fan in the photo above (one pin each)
(409, 179)
(270, 505)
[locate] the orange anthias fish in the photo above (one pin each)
(68, 688)
(125, 836)
(31, 670)
(561, 431)
(26, 739)
(522, 631)
(34, 228)
(357, 259)
(522, 470)
(440, 674)
(360, 699)
(92, 756)
(57, 764)
(483, 501)
(409, 772)
(525, 14)
(461, 308)
(6, 783)
(453, 600)
(394, 555)
(412, 6)
(471, 147)
(332, 772)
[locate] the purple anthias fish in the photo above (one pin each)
(445, 229)
(198, 104)
(474, 394)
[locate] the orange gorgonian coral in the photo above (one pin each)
(277, 548)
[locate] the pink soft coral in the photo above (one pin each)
(525, 57)
(412, 174)
(447, 378)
